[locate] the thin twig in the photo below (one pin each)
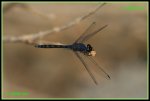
(37, 12)
(30, 39)
(8, 7)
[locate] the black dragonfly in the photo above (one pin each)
(80, 47)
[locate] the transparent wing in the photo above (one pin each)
(100, 67)
(92, 34)
(86, 32)
(87, 68)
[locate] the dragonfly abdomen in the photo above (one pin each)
(52, 46)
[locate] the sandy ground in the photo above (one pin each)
(57, 73)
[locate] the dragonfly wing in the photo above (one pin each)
(100, 67)
(86, 67)
(92, 34)
(88, 29)
(84, 34)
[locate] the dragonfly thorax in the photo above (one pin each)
(83, 48)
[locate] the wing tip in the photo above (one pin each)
(109, 77)
(105, 26)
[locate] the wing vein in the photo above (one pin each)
(106, 74)
(86, 67)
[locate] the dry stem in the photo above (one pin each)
(30, 39)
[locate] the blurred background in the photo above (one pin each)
(57, 73)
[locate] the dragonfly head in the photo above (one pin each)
(90, 50)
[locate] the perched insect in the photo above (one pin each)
(79, 47)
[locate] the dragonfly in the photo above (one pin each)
(80, 47)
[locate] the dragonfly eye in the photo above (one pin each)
(89, 48)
